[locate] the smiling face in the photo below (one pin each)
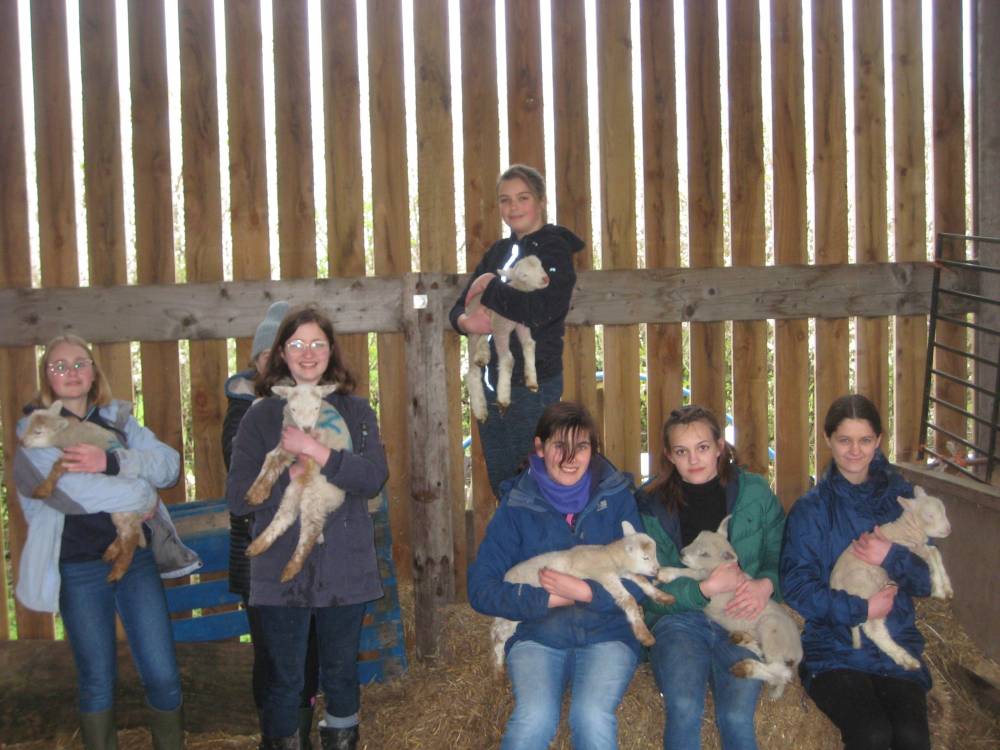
(554, 452)
(520, 208)
(307, 353)
(69, 372)
(853, 445)
(694, 452)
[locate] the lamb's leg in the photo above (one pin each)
(774, 674)
(528, 348)
(940, 580)
(666, 575)
(288, 511)
(48, 486)
(319, 500)
(631, 608)
(747, 641)
(121, 551)
(479, 349)
(477, 398)
(877, 631)
(505, 366)
(658, 596)
(500, 631)
(274, 463)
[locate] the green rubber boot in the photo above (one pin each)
(305, 728)
(167, 728)
(98, 730)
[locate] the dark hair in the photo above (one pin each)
(531, 176)
(567, 418)
(277, 368)
(666, 486)
(852, 406)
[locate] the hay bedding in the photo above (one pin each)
(456, 703)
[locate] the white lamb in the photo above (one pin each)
(772, 635)
(631, 557)
(309, 497)
(924, 516)
(46, 428)
(527, 275)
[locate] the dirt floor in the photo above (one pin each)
(456, 703)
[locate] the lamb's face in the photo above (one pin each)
(42, 427)
(708, 551)
(641, 551)
(528, 273)
(931, 513)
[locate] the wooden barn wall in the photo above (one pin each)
(691, 174)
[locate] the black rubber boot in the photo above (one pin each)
(279, 743)
(339, 739)
(98, 730)
(167, 728)
(305, 728)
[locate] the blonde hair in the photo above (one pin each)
(100, 389)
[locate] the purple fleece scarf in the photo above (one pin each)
(571, 499)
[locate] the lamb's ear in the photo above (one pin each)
(724, 527)
(281, 390)
(56, 407)
(918, 491)
(907, 503)
(628, 529)
(326, 390)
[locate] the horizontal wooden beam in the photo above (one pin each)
(375, 304)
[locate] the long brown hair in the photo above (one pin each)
(568, 418)
(666, 486)
(100, 390)
(277, 368)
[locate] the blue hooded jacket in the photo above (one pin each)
(820, 527)
(525, 525)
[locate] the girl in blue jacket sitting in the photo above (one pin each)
(699, 484)
(570, 632)
(874, 702)
(62, 569)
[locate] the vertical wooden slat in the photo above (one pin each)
(154, 228)
(392, 249)
(830, 169)
(664, 347)
(344, 195)
(436, 198)
(704, 131)
(572, 168)
(618, 233)
(17, 364)
(296, 203)
(102, 157)
(746, 196)
(525, 126)
(791, 411)
(909, 215)
(247, 155)
(871, 221)
(481, 164)
(203, 232)
(948, 115)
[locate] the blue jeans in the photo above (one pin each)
(597, 675)
(259, 679)
(508, 439)
(87, 603)
(284, 641)
(690, 652)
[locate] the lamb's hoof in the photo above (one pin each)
(666, 575)
(256, 494)
(740, 638)
(533, 387)
(112, 552)
(42, 491)
(742, 668)
(290, 572)
(662, 597)
(909, 663)
(479, 415)
(255, 549)
(502, 408)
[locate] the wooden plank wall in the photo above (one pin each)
(760, 215)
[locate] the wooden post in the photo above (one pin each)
(428, 429)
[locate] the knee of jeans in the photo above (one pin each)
(589, 720)
(682, 705)
(164, 695)
(534, 720)
(97, 695)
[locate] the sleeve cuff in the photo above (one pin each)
(113, 466)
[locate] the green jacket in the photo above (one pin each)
(755, 531)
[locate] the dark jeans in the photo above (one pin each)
(87, 603)
(508, 439)
(310, 677)
(873, 712)
(284, 642)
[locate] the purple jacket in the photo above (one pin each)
(342, 570)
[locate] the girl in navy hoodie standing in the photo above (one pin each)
(507, 437)
(875, 703)
(570, 633)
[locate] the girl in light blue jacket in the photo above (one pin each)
(62, 569)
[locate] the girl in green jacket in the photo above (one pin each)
(699, 484)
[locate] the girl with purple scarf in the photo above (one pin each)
(571, 634)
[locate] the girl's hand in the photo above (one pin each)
(723, 579)
(477, 286)
(85, 458)
(563, 588)
(750, 598)
(871, 547)
(880, 604)
(301, 443)
(478, 322)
